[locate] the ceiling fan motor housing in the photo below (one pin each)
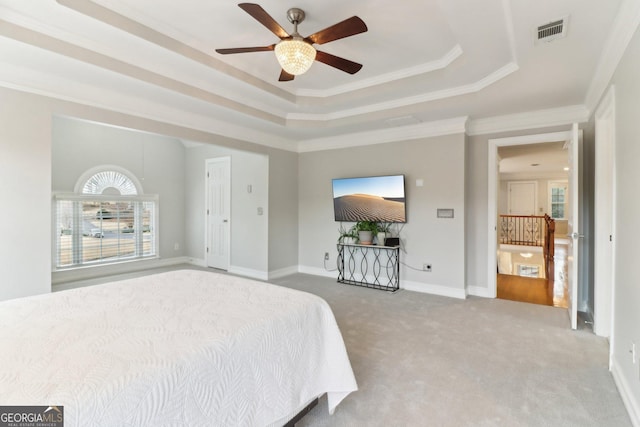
(295, 15)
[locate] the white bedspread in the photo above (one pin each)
(184, 348)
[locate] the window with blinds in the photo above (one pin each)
(103, 228)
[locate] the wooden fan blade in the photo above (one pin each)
(346, 28)
(285, 77)
(261, 15)
(245, 49)
(337, 62)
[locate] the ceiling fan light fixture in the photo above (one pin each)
(295, 55)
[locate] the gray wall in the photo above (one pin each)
(156, 161)
(439, 161)
(283, 212)
(626, 322)
(25, 190)
(249, 231)
(476, 183)
(26, 185)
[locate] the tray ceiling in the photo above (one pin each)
(450, 62)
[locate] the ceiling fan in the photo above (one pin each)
(296, 53)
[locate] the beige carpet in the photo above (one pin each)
(424, 360)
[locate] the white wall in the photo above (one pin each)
(249, 231)
(626, 321)
(25, 188)
(439, 161)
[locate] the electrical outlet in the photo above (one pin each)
(326, 256)
(176, 246)
(426, 267)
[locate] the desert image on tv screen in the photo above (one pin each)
(379, 198)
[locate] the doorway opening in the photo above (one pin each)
(532, 201)
(505, 153)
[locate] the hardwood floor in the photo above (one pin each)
(524, 289)
(535, 290)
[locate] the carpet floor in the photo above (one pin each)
(425, 360)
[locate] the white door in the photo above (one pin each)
(573, 227)
(522, 197)
(218, 209)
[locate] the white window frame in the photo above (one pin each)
(556, 184)
(77, 222)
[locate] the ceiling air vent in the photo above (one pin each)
(551, 31)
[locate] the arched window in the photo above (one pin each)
(109, 182)
(107, 219)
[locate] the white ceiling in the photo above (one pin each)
(547, 159)
(429, 66)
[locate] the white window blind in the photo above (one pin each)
(103, 229)
(106, 221)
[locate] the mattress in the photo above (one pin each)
(178, 348)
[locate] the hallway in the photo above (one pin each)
(535, 290)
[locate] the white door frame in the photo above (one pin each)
(492, 195)
(604, 224)
(574, 225)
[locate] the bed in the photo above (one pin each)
(185, 347)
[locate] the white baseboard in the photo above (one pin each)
(404, 284)
(198, 262)
(315, 271)
(630, 401)
(287, 271)
(248, 272)
(67, 279)
(233, 269)
(479, 291)
(427, 288)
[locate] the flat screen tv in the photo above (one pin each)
(372, 198)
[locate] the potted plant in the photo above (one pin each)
(366, 230)
(347, 236)
(383, 232)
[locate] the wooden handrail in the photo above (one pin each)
(531, 230)
(549, 250)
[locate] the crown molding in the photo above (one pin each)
(19, 81)
(624, 28)
(381, 136)
(136, 28)
(26, 30)
(428, 67)
(529, 120)
(408, 101)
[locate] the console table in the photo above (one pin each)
(371, 266)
